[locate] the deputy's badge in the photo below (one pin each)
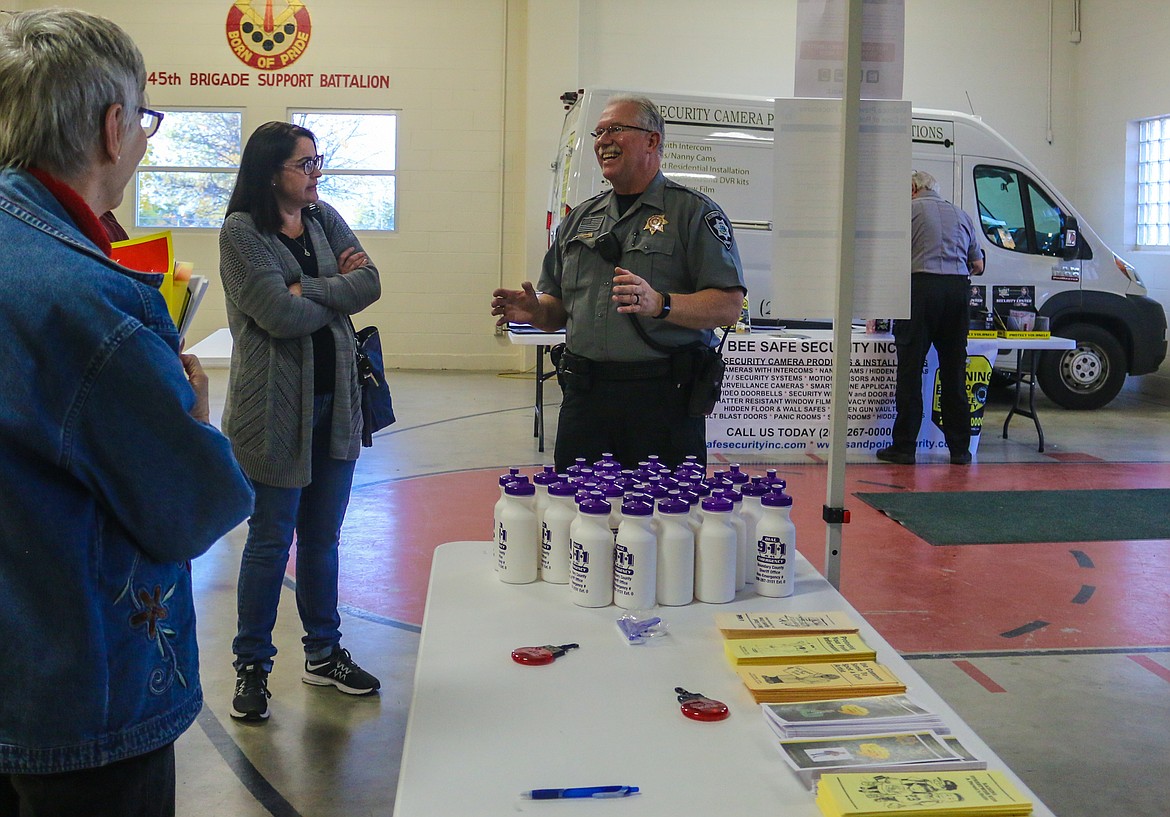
(656, 224)
(717, 224)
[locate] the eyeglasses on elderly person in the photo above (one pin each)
(615, 130)
(151, 120)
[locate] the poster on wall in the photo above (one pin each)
(820, 48)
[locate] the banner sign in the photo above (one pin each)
(777, 390)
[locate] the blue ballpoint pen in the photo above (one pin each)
(582, 791)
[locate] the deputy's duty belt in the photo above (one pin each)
(610, 370)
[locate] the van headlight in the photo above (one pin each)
(1127, 270)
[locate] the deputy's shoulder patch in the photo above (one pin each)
(717, 224)
(591, 224)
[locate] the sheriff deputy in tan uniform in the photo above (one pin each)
(651, 250)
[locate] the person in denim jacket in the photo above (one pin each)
(111, 477)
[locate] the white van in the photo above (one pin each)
(722, 146)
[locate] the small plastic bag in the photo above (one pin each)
(638, 627)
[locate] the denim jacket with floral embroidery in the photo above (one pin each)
(108, 487)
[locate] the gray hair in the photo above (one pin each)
(60, 71)
(923, 180)
(648, 115)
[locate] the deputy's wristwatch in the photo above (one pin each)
(665, 306)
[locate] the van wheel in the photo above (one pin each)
(1086, 377)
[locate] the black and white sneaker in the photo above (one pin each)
(341, 671)
(251, 699)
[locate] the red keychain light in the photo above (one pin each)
(539, 656)
(699, 707)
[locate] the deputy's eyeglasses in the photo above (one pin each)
(151, 120)
(307, 165)
(614, 130)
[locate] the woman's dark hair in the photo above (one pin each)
(268, 148)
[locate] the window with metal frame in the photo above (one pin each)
(360, 150)
(187, 175)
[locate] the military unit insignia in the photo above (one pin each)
(717, 224)
(656, 224)
(271, 39)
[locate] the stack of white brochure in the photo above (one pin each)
(879, 714)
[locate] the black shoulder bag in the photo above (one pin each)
(377, 405)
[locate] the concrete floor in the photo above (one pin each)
(1088, 729)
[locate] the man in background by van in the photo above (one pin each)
(650, 251)
(944, 253)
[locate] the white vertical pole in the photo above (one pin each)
(834, 508)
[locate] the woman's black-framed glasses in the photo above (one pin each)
(308, 165)
(614, 130)
(151, 120)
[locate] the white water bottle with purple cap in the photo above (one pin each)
(591, 555)
(542, 479)
(676, 553)
(741, 540)
(715, 553)
(513, 473)
(775, 547)
(554, 533)
(635, 557)
(751, 511)
(517, 548)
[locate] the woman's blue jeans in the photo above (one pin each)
(314, 513)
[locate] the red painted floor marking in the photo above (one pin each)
(1152, 665)
(1071, 456)
(979, 676)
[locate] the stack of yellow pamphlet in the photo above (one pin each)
(801, 649)
(759, 625)
(779, 683)
(926, 794)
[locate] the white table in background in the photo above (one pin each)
(543, 341)
(1026, 375)
(482, 728)
(215, 350)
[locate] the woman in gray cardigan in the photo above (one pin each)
(293, 272)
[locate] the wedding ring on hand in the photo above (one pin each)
(637, 299)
